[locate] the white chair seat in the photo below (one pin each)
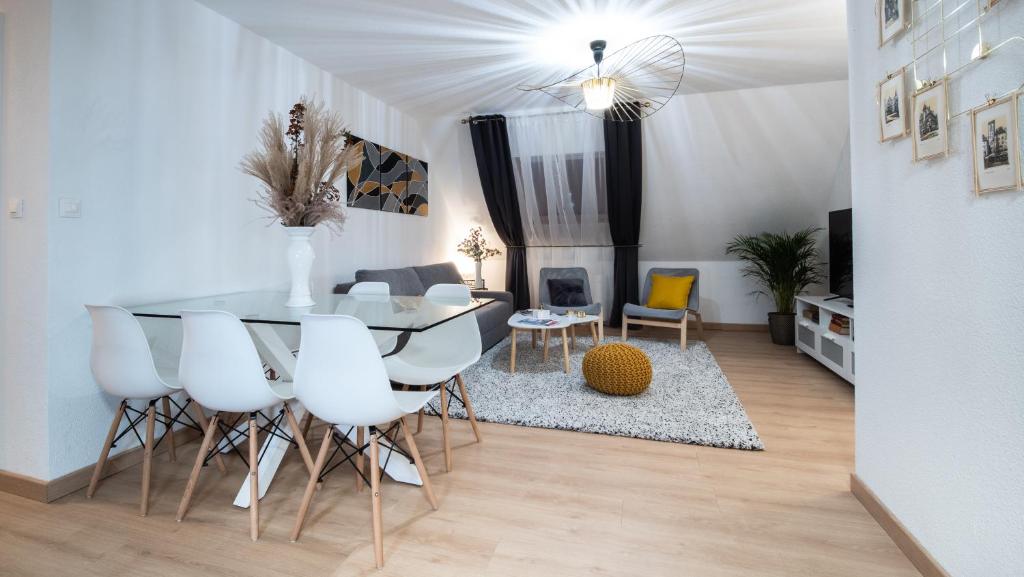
(413, 401)
(169, 377)
(418, 371)
(283, 389)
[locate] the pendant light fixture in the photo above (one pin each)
(630, 84)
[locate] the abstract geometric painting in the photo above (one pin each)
(387, 180)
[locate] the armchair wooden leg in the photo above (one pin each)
(469, 407)
(169, 425)
(254, 480)
(625, 328)
(193, 479)
(97, 473)
(428, 491)
(147, 457)
(682, 334)
(445, 436)
(307, 498)
(378, 529)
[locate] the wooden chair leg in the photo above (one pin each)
(254, 480)
(307, 421)
(445, 437)
(307, 497)
(300, 439)
(169, 426)
(428, 491)
(97, 472)
(469, 407)
(625, 328)
(378, 529)
(201, 419)
(147, 457)
(419, 422)
(193, 479)
(682, 334)
(360, 470)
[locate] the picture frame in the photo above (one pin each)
(892, 107)
(930, 121)
(892, 19)
(995, 149)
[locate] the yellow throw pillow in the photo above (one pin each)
(669, 292)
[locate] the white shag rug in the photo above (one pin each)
(689, 400)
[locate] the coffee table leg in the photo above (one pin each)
(593, 333)
(565, 350)
(545, 345)
(512, 357)
(573, 329)
(533, 339)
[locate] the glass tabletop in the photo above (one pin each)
(395, 313)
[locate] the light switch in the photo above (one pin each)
(15, 208)
(70, 208)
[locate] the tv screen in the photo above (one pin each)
(840, 253)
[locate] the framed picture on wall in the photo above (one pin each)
(996, 144)
(931, 122)
(892, 19)
(892, 107)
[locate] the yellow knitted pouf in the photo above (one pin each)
(617, 369)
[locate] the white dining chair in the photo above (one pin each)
(439, 355)
(122, 364)
(340, 378)
(377, 291)
(222, 371)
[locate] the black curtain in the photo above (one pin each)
(494, 162)
(623, 149)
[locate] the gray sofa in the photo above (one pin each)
(415, 280)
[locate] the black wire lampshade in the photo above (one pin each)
(629, 84)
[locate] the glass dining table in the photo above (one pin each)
(264, 312)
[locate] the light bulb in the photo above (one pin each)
(599, 92)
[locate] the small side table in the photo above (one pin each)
(562, 323)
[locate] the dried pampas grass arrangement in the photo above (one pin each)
(298, 164)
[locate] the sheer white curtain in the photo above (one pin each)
(559, 166)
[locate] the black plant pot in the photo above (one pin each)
(782, 327)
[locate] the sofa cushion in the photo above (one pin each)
(402, 281)
(441, 273)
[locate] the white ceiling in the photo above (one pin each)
(432, 57)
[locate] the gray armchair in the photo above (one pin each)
(677, 319)
(591, 308)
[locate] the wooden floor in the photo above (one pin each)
(525, 502)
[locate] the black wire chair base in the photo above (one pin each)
(136, 418)
(349, 451)
(231, 434)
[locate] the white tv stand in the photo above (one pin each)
(833, 350)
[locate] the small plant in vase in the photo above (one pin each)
(298, 163)
(475, 247)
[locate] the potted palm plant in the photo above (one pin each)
(784, 265)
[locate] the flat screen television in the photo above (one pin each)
(840, 253)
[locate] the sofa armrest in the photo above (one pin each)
(343, 288)
(504, 296)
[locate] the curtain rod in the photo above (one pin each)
(575, 246)
(469, 119)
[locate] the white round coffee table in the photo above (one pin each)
(520, 322)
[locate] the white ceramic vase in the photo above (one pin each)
(300, 264)
(479, 281)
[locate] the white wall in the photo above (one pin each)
(939, 282)
(715, 165)
(153, 105)
(23, 242)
